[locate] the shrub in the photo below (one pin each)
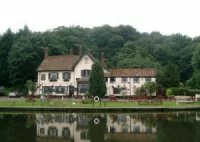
(87, 101)
(180, 91)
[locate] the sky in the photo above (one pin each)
(166, 16)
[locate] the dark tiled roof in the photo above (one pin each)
(59, 63)
(131, 72)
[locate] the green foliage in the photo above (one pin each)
(150, 87)
(169, 76)
(30, 85)
(181, 91)
(97, 86)
(169, 92)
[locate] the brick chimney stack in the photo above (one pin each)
(46, 54)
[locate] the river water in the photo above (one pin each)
(103, 127)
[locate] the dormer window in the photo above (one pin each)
(66, 76)
(53, 76)
(85, 73)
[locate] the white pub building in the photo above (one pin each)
(69, 75)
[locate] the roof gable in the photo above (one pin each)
(61, 62)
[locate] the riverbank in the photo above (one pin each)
(105, 106)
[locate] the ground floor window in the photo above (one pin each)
(83, 87)
(55, 89)
(47, 89)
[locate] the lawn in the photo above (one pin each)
(73, 103)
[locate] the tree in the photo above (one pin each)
(6, 43)
(194, 81)
(97, 86)
(30, 85)
(150, 87)
(170, 77)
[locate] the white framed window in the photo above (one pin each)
(112, 80)
(148, 79)
(124, 80)
(85, 73)
(43, 77)
(53, 76)
(136, 80)
(66, 76)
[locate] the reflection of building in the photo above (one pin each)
(74, 127)
(69, 74)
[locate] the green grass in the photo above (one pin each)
(78, 103)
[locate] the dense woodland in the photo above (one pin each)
(176, 57)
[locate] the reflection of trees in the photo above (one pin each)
(17, 128)
(178, 127)
(97, 128)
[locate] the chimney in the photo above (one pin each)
(80, 51)
(46, 54)
(102, 59)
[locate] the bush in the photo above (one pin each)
(180, 91)
(169, 92)
(87, 101)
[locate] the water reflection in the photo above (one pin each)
(76, 127)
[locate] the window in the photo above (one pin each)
(112, 80)
(84, 135)
(66, 133)
(43, 77)
(112, 129)
(66, 76)
(47, 89)
(148, 79)
(149, 130)
(86, 59)
(53, 76)
(52, 131)
(85, 73)
(136, 80)
(136, 129)
(83, 88)
(42, 131)
(124, 79)
(59, 90)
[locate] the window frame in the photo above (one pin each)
(124, 79)
(43, 77)
(114, 78)
(136, 80)
(69, 76)
(51, 74)
(85, 73)
(148, 79)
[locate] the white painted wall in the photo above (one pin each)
(130, 84)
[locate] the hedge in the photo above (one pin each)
(180, 91)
